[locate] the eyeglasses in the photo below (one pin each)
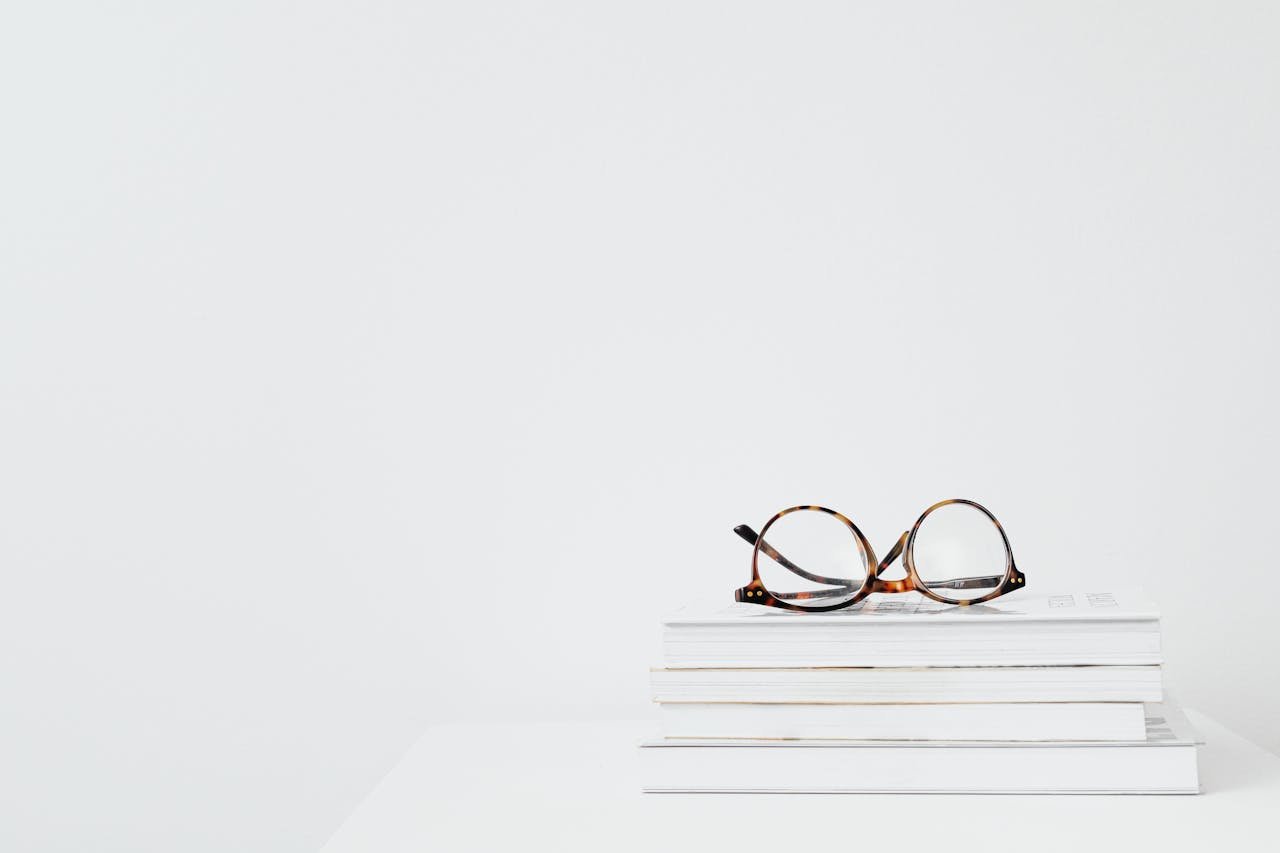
(956, 553)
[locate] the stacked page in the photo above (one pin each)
(899, 693)
(911, 630)
(1014, 721)
(909, 684)
(1163, 762)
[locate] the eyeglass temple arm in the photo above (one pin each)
(750, 535)
(894, 553)
(967, 583)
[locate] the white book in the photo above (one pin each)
(1164, 762)
(976, 721)
(1107, 628)
(910, 684)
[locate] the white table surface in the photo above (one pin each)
(574, 787)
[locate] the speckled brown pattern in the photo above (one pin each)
(755, 592)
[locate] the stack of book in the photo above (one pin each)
(1036, 694)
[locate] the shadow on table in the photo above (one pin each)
(1230, 763)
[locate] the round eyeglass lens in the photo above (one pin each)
(959, 552)
(811, 559)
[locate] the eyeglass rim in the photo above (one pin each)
(756, 592)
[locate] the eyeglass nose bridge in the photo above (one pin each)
(900, 585)
(879, 584)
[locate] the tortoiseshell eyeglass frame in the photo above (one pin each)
(756, 593)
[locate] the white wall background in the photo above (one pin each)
(366, 365)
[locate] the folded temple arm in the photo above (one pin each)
(842, 586)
